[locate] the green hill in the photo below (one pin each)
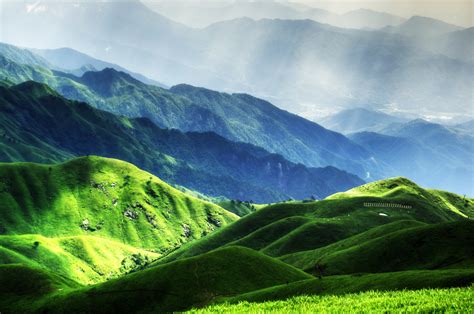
(238, 207)
(448, 245)
(102, 197)
(292, 227)
(307, 259)
(400, 245)
(176, 286)
(387, 235)
(93, 218)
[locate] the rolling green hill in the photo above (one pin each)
(446, 245)
(307, 259)
(93, 218)
(238, 207)
(292, 227)
(102, 197)
(36, 124)
(386, 235)
(175, 286)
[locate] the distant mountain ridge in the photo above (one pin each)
(359, 120)
(431, 153)
(65, 60)
(243, 118)
(334, 65)
(199, 15)
(421, 26)
(238, 117)
(78, 63)
(38, 125)
(435, 155)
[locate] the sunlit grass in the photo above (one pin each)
(454, 300)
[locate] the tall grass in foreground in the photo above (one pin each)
(454, 300)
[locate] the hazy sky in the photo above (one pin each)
(458, 12)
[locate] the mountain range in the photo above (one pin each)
(238, 117)
(199, 15)
(359, 120)
(37, 124)
(301, 65)
(423, 27)
(243, 118)
(430, 153)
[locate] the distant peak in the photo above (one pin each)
(108, 74)
(362, 10)
(183, 88)
(107, 81)
(389, 184)
(420, 18)
(424, 20)
(110, 71)
(419, 121)
(236, 21)
(35, 89)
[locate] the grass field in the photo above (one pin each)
(454, 300)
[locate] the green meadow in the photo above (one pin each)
(455, 300)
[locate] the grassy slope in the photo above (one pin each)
(338, 285)
(84, 259)
(336, 218)
(176, 286)
(115, 199)
(398, 188)
(82, 219)
(441, 234)
(456, 300)
(264, 236)
(449, 245)
(18, 279)
(307, 259)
